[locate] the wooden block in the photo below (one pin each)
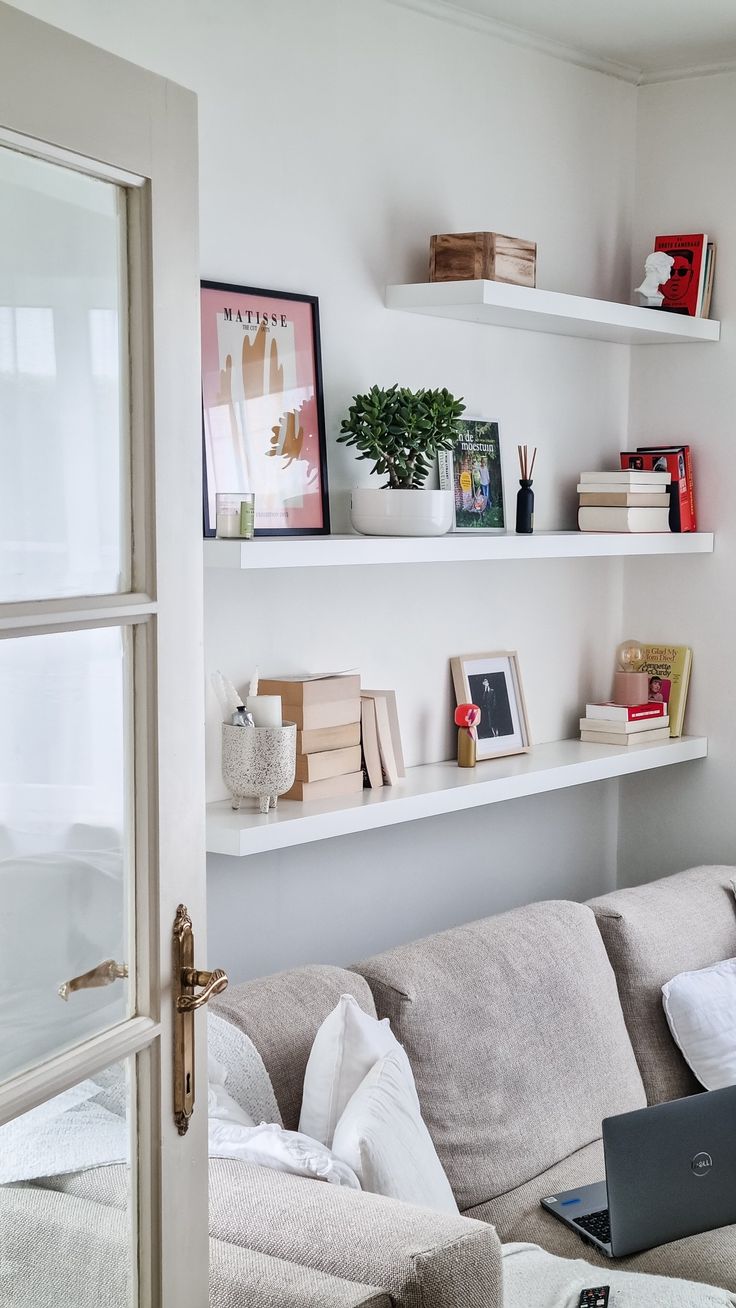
(473, 256)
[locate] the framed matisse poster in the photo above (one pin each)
(493, 682)
(262, 410)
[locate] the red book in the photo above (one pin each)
(683, 291)
(611, 712)
(684, 450)
(676, 460)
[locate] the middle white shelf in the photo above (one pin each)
(436, 788)
(339, 551)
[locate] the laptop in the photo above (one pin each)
(670, 1173)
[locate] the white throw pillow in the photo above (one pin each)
(285, 1151)
(383, 1138)
(345, 1049)
(701, 1011)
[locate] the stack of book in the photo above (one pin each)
(625, 724)
(629, 500)
(383, 757)
(327, 712)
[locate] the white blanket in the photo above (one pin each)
(87, 1126)
(531, 1276)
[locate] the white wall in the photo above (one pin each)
(685, 182)
(335, 138)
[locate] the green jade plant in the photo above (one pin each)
(402, 431)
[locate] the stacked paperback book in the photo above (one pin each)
(628, 500)
(625, 724)
(327, 712)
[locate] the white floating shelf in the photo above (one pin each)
(438, 788)
(336, 551)
(521, 307)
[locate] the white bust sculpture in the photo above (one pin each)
(657, 269)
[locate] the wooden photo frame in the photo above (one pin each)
(493, 682)
(263, 422)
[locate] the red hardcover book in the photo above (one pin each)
(684, 450)
(683, 290)
(612, 712)
(675, 460)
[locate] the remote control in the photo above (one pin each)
(597, 1298)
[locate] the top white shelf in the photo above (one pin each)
(339, 551)
(499, 305)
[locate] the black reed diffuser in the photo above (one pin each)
(525, 496)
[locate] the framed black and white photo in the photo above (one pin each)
(493, 682)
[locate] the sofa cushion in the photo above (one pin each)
(652, 932)
(422, 1258)
(242, 1278)
(507, 1022)
(81, 1259)
(281, 1014)
(709, 1258)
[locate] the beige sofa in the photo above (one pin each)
(523, 1030)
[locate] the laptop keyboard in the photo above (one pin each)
(597, 1225)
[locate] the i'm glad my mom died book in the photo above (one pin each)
(668, 668)
(473, 470)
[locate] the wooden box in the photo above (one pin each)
(470, 256)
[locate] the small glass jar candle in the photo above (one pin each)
(236, 516)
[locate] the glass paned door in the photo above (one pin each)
(101, 745)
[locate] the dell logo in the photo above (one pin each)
(702, 1164)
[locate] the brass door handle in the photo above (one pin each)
(185, 976)
(213, 982)
(102, 975)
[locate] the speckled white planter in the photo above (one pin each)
(258, 762)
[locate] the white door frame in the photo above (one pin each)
(76, 104)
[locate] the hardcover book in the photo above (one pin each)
(677, 461)
(683, 290)
(668, 668)
(610, 712)
(626, 742)
(638, 727)
(473, 470)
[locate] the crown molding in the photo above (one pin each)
(459, 15)
(655, 76)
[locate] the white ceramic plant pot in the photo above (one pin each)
(401, 512)
(258, 762)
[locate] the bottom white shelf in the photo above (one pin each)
(438, 788)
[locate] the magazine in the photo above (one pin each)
(473, 470)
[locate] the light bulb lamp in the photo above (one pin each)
(630, 686)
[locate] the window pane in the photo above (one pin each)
(64, 497)
(75, 1147)
(65, 850)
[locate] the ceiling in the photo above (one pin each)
(642, 40)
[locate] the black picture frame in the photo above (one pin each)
(267, 298)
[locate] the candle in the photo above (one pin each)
(266, 710)
(235, 516)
